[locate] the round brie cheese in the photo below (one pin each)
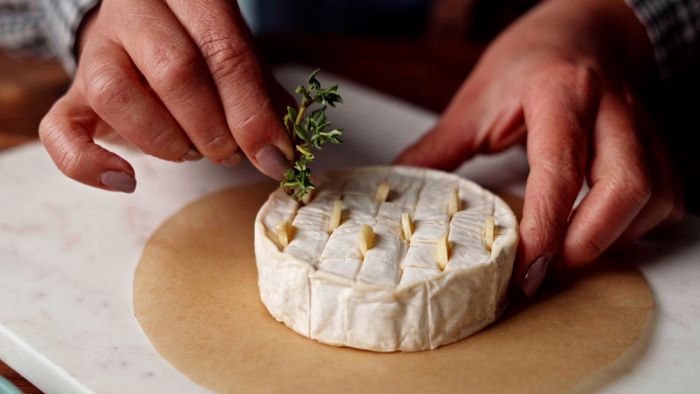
(386, 258)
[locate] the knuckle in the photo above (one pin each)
(69, 163)
(172, 66)
(586, 79)
(634, 186)
(249, 118)
(629, 184)
(583, 77)
(218, 146)
(565, 167)
(575, 83)
(163, 145)
(677, 213)
(67, 160)
(225, 56)
(48, 130)
(590, 249)
(665, 205)
(542, 228)
(105, 88)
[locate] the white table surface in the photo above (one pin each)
(68, 254)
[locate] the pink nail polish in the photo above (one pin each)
(118, 181)
(534, 276)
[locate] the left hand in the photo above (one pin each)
(562, 78)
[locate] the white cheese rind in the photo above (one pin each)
(323, 288)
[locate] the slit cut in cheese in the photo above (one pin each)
(402, 275)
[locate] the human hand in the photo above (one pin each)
(179, 80)
(562, 79)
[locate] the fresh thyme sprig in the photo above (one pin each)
(309, 130)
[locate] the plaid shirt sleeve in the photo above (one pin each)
(673, 27)
(20, 28)
(47, 27)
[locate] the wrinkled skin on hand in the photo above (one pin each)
(562, 79)
(177, 79)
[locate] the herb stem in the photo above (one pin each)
(300, 115)
(307, 132)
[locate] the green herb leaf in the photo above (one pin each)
(307, 131)
(301, 133)
(314, 84)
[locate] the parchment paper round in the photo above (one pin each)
(196, 297)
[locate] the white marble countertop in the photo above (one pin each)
(68, 253)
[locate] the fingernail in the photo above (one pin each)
(118, 181)
(232, 161)
(192, 155)
(535, 275)
(272, 161)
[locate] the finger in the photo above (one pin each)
(219, 32)
(661, 204)
(173, 67)
(558, 112)
(620, 185)
(678, 211)
(66, 132)
(471, 124)
(113, 89)
(667, 169)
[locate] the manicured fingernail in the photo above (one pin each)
(192, 155)
(272, 161)
(232, 161)
(535, 275)
(118, 181)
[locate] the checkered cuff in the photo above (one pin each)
(673, 27)
(60, 20)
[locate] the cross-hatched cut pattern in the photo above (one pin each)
(392, 261)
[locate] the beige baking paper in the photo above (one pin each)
(196, 297)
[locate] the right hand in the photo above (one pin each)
(179, 80)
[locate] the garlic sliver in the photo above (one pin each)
(366, 239)
(336, 213)
(406, 226)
